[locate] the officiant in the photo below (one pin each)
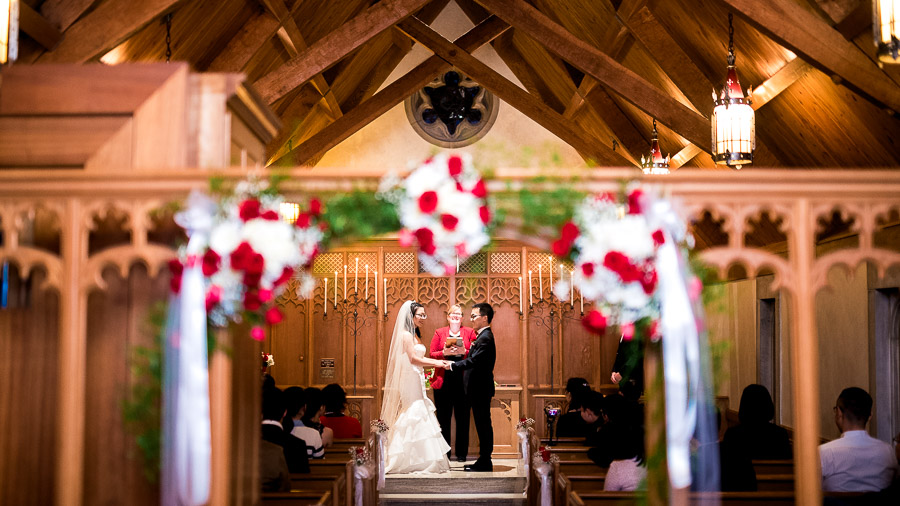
(452, 343)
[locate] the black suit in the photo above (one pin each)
(294, 447)
(478, 382)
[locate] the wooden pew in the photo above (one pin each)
(773, 466)
(726, 498)
(297, 498)
(335, 484)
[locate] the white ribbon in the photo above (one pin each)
(543, 470)
(523, 447)
(681, 353)
(379, 445)
(360, 473)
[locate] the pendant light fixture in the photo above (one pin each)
(733, 121)
(655, 164)
(9, 30)
(886, 24)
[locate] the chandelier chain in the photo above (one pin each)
(168, 37)
(730, 34)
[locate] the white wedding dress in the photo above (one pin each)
(415, 443)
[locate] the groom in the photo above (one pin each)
(478, 382)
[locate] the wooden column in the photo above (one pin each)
(72, 360)
(220, 417)
(804, 358)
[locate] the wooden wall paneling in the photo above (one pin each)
(289, 339)
(161, 125)
(42, 142)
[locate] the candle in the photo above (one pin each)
(367, 284)
(560, 272)
(335, 289)
(541, 280)
(385, 295)
(326, 294)
(530, 302)
(582, 301)
(376, 289)
(345, 281)
(355, 276)
(572, 288)
(550, 270)
(521, 297)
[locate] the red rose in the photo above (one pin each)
(177, 269)
(479, 189)
(653, 330)
(249, 209)
(273, 316)
(449, 221)
(561, 248)
(240, 257)
(213, 297)
(251, 300)
(428, 202)
(545, 455)
(285, 276)
(570, 232)
(621, 265)
(659, 238)
(425, 237)
(257, 333)
(265, 295)
(459, 187)
(627, 331)
(587, 269)
(594, 322)
(405, 238)
(454, 165)
(255, 264)
(485, 213)
(648, 281)
(270, 215)
(315, 207)
(634, 202)
(303, 220)
(210, 263)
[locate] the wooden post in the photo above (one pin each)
(220, 415)
(72, 360)
(655, 422)
(804, 358)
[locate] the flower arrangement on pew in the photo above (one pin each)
(379, 426)
(268, 360)
(360, 455)
(525, 423)
(248, 252)
(614, 241)
(443, 210)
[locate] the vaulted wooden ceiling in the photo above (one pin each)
(595, 72)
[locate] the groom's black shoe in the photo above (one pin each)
(460, 459)
(485, 467)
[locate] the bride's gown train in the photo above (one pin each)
(415, 443)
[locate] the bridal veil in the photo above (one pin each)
(397, 360)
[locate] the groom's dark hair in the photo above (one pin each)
(485, 309)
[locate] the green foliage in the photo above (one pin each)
(358, 215)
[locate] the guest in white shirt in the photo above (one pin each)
(856, 462)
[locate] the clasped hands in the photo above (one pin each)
(445, 364)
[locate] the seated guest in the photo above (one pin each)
(315, 408)
(273, 432)
(736, 468)
(855, 462)
(570, 423)
(274, 475)
(604, 416)
(334, 418)
(297, 405)
(627, 469)
(756, 435)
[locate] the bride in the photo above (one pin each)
(414, 441)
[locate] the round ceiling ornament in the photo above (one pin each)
(452, 111)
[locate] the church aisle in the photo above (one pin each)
(504, 486)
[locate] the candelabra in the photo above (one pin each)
(355, 313)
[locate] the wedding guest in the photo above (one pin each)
(758, 437)
(295, 403)
(334, 418)
(570, 423)
(272, 431)
(274, 475)
(601, 428)
(627, 469)
(315, 408)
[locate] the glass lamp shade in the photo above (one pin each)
(733, 125)
(655, 164)
(886, 24)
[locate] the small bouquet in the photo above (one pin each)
(379, 426)
(268, 360)
(360, 455)
(545, 456)
(429, 375)
(443, 209)
(525, 423)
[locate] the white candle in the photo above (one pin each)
(385, 296)
(550, 270)
(376, 289)
(521, 297)
(335, 289)
(572, 288)
(530, 301)
(367, 284)
(326, 294)
(582, 301)
(345, 281)
(541, 280)
(355, 276)
(560, 272)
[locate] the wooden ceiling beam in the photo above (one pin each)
(394, 93)
(32, 23)
(792, 72)
(510, 93)
(295, 43)
(590, 60)
(811, 37)
(104, 28)
(62, 13)
(249, 39)
(334, 46)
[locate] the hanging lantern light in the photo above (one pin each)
(9, 30)
(886, 24)
(733, 121)
(655, 163)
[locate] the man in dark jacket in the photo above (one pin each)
(478, 382)
(272, 431)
